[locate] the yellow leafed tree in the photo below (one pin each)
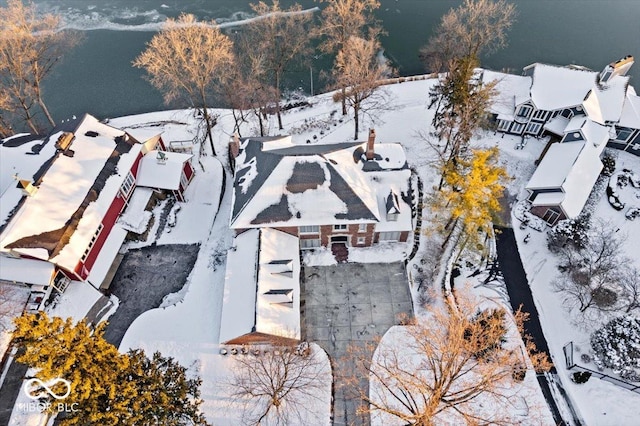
(472, 193)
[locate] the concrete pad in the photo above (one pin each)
(351, 304)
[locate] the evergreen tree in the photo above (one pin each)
(107, 387)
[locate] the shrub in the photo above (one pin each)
(617, 345)
(609, 165)
(570, 231)
(580, 377)
(604, 297)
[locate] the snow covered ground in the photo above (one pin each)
(598, 402)
(187, 325)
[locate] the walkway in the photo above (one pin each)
(349, 303)
(520, 296)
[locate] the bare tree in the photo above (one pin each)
(276, 382)
(282, 38)
(593, 274)
(475, 28)
(358, 71)
(30, 46)
(188, 58)
(246, 89)
(631, 289)
(446, 366)
(343, 19)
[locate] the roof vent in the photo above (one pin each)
(161, 157)
(64, 141)
(91, 134)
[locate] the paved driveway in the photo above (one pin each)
(143, 278)
(349, 303)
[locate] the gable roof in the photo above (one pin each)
(161, 173)
(556, 165)
(630, 116)
(555, 87)
(262, 287)
(81, 183)
(281, 184)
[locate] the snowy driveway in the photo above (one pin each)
(348, 303)
(144, 278)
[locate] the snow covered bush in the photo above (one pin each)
(617, 346)
(609, 163)
(569, 231)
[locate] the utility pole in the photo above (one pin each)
(311, 78)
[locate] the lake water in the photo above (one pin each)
(97, 76)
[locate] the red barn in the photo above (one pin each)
(69, 214)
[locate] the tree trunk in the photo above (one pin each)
(356, 111)
(344, 101)
(205, 114)
(258, 114)
(46, 111)
(280, 126)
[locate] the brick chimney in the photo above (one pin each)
(234, 146)
(370, 142)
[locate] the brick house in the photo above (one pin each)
(353, 193)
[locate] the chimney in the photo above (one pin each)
(26, 186)
(234, 146)
(620, 67)
(372, 140)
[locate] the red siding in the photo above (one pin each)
(109, 219)
(161, 146)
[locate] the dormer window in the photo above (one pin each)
(393, 207)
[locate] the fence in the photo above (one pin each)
(571, 365)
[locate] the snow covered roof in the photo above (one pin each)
(548, 199)
(580, 181)
(630, 116)
(511, 90)
(278, 295)
(81, 184)
(572, 167)
(239, 300)
(107, 255)
(162, 173)
(556, 87)
(22, 157)
(605, 101)
(262, 288)
(556, 165)
(28, 271)
(594, 133)
(557, 125)
(278, 183)
(135, 218)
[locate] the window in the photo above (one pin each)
(540, 115)
(533, 128)
(389, 236)
(309, 243)
(566, 113)
(392, 217)
(524, 111)
(503, 125)
(91, 243)
(362, 227)
(555, 114)
(340, 227)
(309, 229)
(551, 217)
(517, 128)
(623, 135)
(360, 240)
(184, 182)
(127, 185)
